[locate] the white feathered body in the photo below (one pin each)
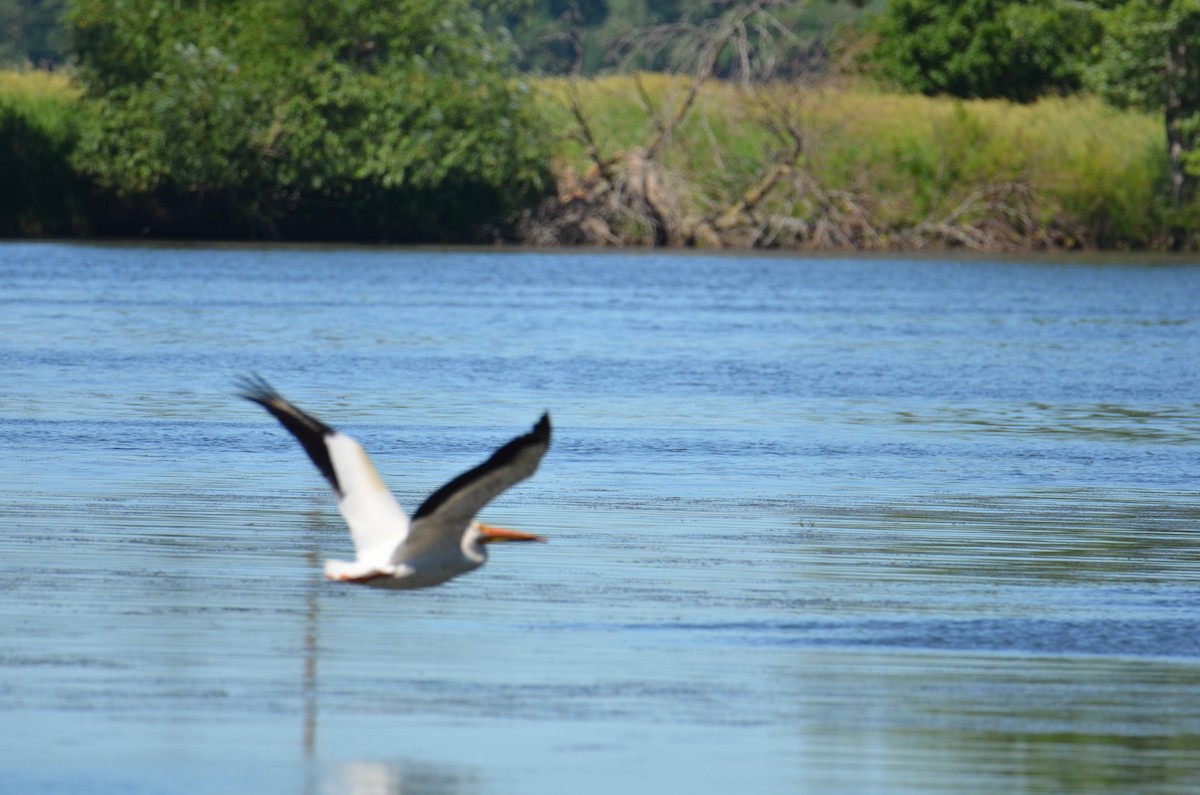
(392, 551)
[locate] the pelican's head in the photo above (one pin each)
(479, 534)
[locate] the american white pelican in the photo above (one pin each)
(443, 539)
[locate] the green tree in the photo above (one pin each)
(398, 120)
(1009, 49)
(1150, 59)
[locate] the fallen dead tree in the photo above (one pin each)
(640, 196)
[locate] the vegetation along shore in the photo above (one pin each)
(414, 122)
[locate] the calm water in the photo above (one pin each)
(818, 525)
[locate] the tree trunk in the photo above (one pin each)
(1183, 107)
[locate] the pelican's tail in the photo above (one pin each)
(352, 571)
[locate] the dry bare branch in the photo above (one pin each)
(602, 164)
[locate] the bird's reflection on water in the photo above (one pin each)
(382, 778)
(311, 647)
(359, 776)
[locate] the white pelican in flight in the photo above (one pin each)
(443, 539)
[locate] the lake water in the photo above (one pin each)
(817, 525)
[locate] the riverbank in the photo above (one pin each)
(851, 167)
(645, 160)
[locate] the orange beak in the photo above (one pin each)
(493, 535)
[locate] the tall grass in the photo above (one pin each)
(1096, 172)
(37, 84)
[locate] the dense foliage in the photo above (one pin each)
(1009, 49)
(1150, 59)
(1135, 53)
(396, 120)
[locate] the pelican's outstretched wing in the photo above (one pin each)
(377, 522)
(445, 515)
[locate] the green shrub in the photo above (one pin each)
(39, 128)
(398, 120)
(1010, 49)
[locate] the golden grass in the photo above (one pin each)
(1095, 166)
(37, 84)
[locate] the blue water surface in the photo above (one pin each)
(820, 525)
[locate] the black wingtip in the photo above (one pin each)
(255, 388)
(307, 429)
(539, 435)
